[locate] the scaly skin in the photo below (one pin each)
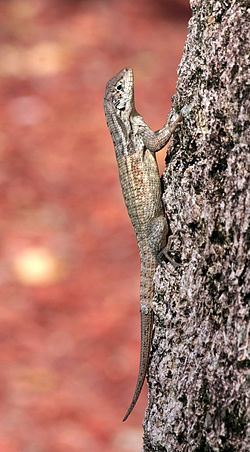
(135, 146)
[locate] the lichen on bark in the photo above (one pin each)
(197, 376)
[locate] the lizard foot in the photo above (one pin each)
(164, 253)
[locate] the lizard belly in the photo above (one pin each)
(141, 187)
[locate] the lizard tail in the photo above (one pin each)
(146, 339)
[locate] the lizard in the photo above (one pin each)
(135, 147)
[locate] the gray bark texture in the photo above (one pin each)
(198, 370)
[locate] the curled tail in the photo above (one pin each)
(146, 339)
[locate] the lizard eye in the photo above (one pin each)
(119, 86)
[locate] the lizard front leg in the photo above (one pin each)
(154, 141)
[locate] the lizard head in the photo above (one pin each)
(120, 93)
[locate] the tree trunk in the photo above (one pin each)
(197, 375)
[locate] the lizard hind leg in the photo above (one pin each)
(159, 245)
(157, 232)
(165, 251)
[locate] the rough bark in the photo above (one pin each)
(197, 376)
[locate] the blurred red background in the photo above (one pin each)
(69, 311)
